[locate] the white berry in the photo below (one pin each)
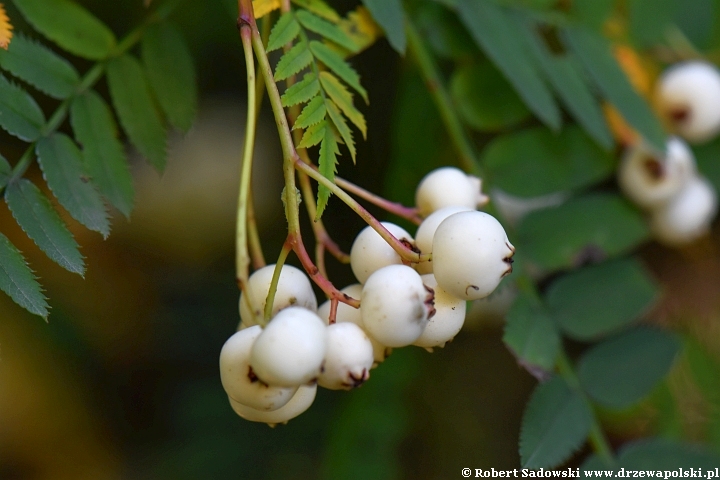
(395, 305)
(348, 359)
(448, 187)
(471, 254)
(291, 348)
(426, 231)
(300, 402)
(688, 94)
(293, 288)
(240, 382)
(688, 216)
(370, 252)
(448, 319)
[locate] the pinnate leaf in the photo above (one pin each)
(69, 25)
(18, 281)
(131, 97)
(390, 16)
(313, 113)
(342, 127)
(103, 154)
(335, 63)
(20, 115)
(327, 163)
(171, 73)
(555, 424)
(302, 91)
(61, 163)
(319, 8)
(283, 32)
(40, 67)
(313, 135)
(37, 217)
(325, 29)
(343, 99)
(294, 60)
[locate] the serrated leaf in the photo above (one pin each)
(665, 454)
(325, 29)
(20, 115)
(103, 154)
(390, 16)
(69, 25)
(311, 114)
(319, 8)
(327, 163)
(40, 67)
(493, 30)
(343, 99)
(5, 171)
(41, 222)
(18, 281)
(586, 228)
(335, 63)
(294, 60)
(532, 337)
(341, 127)
(622, 370)
(302, 91)
(594, 52)
(555, 424)
(171, 73)
(313, 135)
(61, 163)
(131, 97)
(283, 32)
(598, 300)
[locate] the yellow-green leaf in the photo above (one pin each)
(327, 163)
(313, 113)
(302, 91)
(313, 135)
(341, 127)
(294, 60)
(335, 63)
(283, 32)
(326, 29)
(343, 99)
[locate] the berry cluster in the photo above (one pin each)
(271, 373)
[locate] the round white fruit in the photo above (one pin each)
(688, 216)
(300, 402)
(471, 254)
(448, 319)
(291, 348)
(238, 379)
(448, 187)
(688, 94)
(370, 252)
(293, 288)
(395, 305)
(426, 232)
(348, 359)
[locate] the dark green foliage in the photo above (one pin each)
(18, 281)
(532, 336)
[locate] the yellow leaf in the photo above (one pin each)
(5, 28)
(361, 28)
(263, 7)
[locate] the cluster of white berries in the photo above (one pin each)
(680, 201)
(271, 374)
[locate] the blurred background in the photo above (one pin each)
(123, 381)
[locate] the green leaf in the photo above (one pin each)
(37, 217)
(294, 60)
(319, 8)
(649, 20)
(18, 281)
(61, 163)
(555, 424)
(622, 370)
(584, 228)
(20, 115)
(283, 32)
(131, 97)
(664, 454)
(594, 52)
(311, 114)
(302, 91)
(562, 73)
(532, 337)
(70, 26)
(313, 135)
(592, 13)
(171, 73)
(40, 67)
(338, 66)
(341, 127)
(706, 156)
(5, 171)
(103, 154)
(327, 163)
(598, 300)
(695, 18)
(391, 18)
(536, 162)
(325, 29)
(443, 32)
(493, 30)
(343, 99)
